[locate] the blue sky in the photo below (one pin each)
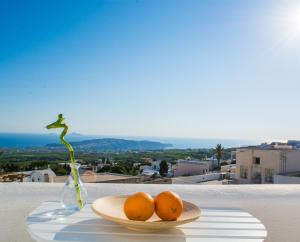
(170, 68)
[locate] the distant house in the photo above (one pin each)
(46, 175)
(149, 172)
(153, 168)
(155, 165)
(190, 168)
(228, 168)
(229, 171)
(212, 162)
(260, 164)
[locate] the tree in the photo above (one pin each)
(219, 150)
(116, 169)
(129, 171)
(163, 168)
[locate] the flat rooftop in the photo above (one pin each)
(277, 206)
(97, 177)
(294, 174)
(192, 162)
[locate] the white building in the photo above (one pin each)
(190, 168)
(287, 178)
(197, 179)
(149, 170)
(229, 168)
(46, 175)
(257, 165)
(212, 162)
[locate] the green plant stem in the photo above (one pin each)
(73, 167)
(59, 124)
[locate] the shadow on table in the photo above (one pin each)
(49, 215)
(101, 230)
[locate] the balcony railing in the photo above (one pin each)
(277, 206)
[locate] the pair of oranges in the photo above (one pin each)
(141, 206)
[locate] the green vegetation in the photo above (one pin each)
(163, 168)
(23, 160)
(219, 153)
(121, 168)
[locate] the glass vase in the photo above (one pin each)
(69, 196)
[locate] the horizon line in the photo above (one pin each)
(140, 136)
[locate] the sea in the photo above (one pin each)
(19, 140)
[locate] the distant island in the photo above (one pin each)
(39, 141)
(112, 145)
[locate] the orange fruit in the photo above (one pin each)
(139, 206)
(168, 206)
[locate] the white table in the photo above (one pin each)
(47, 223)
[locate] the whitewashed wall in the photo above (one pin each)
(196, 179)
(279, 179)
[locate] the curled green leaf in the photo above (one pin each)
(57, 124)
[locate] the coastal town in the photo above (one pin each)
(268, 163)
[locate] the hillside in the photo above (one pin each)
(112, 145)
